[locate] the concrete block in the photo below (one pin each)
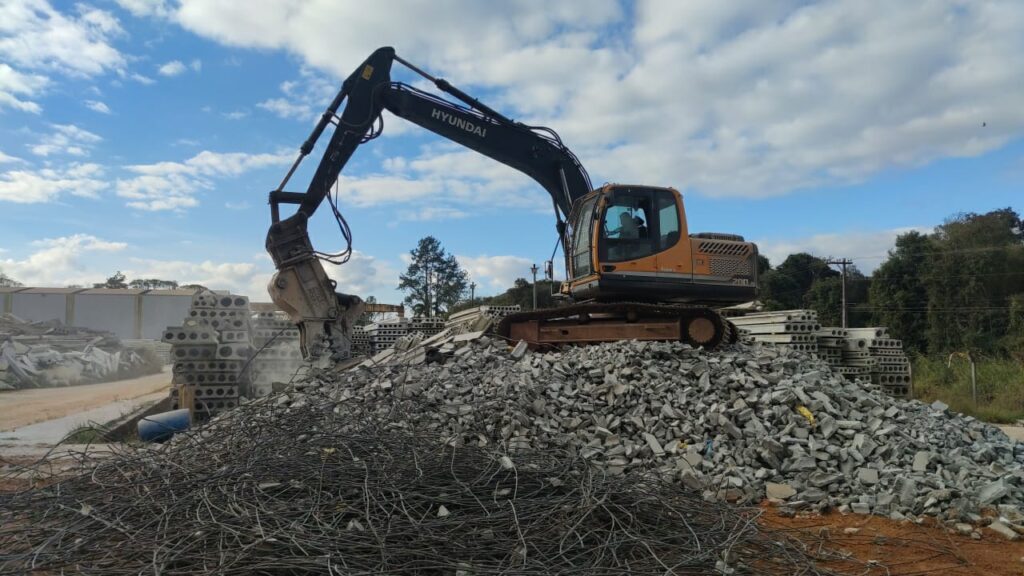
(868, 476)
(1003, 530)
(778, 491)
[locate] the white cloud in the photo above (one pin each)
(496, 272)
(236, 114)
(867, 249)
(303, 97)
(196, 65)
(144, 80)
(65, 139)
(14, 83)
(237, 205)
(238, 277)
(8, 159)
(365, 275)
(97, 106)
(48, 184)
(444, 183)
(428, 213)
(145, 7)
(59, 261)
(741, 99)
(173, 185)
(172, 68)
(286, 109)
(34, 35)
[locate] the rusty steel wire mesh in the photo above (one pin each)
(318, 487)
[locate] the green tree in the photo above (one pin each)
(434, 282)
(975, 268)
(8, 282)
(1014, 341)
(115, 281)
(826, 297)
(786, 285)
(899, 294)
(153, 284)
(763, 265)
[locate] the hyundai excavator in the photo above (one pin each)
(633, 270)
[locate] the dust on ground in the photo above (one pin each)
(1014, 432)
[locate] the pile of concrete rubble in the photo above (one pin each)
(740, 424)
(46, 354)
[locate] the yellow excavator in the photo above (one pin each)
(633, 269)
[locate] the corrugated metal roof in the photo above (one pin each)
(175, 292)
(113, 291)
(11, 289)
(51, 290)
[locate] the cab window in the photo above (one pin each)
(638, 222)
(581, 240)
(668, 221)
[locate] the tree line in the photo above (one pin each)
(959, 288)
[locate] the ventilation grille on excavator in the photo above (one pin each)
(730, 267)
(724, 248)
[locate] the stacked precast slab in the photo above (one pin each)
(361, 341)
(889, 367)
(385, 333)
(865, 354)
(209, 351)
(794, 328)
(278, 355)
(380, 336)
(478, 319)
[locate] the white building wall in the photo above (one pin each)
(110, 312)
(35, 307)
(161, 311)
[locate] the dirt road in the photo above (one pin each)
(22, 407)
(1014, 432)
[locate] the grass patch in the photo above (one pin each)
(91, 433)
(1000, 386)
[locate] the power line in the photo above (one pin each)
(951, 251)
(844, 262)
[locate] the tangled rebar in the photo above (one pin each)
(322, 487)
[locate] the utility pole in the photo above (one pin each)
(472, 291)
(844, 262)
(534, 269)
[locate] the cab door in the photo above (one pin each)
(674, 261)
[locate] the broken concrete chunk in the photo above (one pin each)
(868, 476)
(993, 492)
(520, 350)
(921, 461)
(1003, 530)
(778, 491)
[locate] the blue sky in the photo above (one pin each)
(143, 136)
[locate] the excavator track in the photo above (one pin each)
(594, 322)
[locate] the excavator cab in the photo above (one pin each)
(632, 243)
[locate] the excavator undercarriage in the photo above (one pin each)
(595, 322)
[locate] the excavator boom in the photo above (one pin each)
(301, 286)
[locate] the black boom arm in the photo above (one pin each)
(535, 151)
(301, 286)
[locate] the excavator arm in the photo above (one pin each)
(301, 286)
